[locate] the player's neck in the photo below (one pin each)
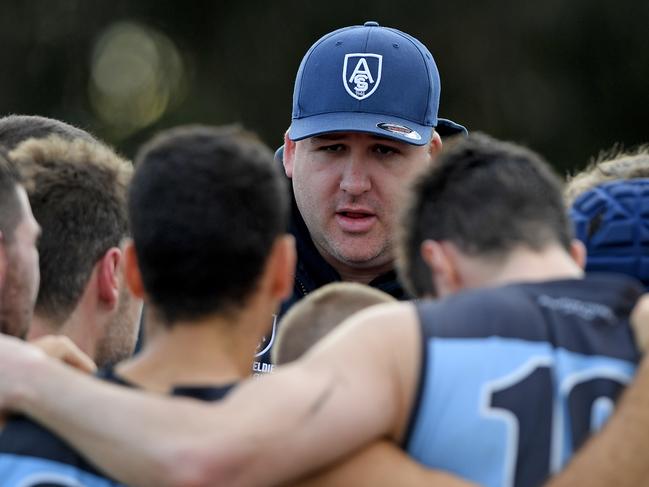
(526, 265)
(211, 351)
(80, 327)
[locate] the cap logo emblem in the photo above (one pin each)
(362, 74)
(402, 130)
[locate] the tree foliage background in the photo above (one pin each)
(568, 78)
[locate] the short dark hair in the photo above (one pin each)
(77, 190)
(486, 197)
(206, 206)
(11, 212)
(15, 129)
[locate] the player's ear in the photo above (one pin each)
(108, 276)
(578, 252)
(283, 259)
(289, 155)
(442, 263)
(132, 271)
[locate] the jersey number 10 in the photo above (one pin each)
(542, 437)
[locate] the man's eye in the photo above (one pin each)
(332, 148)
(385, 149)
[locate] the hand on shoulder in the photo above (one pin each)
(61, 348)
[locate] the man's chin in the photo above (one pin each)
(362, 258)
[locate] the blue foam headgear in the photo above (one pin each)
(372, 79)
(612, 220)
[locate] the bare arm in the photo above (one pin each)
(381, 464)
(342, 395)
(619, 455)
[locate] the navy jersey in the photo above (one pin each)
(514, 379)
(32, 456)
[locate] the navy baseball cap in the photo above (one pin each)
(368, 78)
(612, 220)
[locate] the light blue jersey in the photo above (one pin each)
(516, 378)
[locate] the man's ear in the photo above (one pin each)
(108, 276)
(441, 260)
(289, 155)
(435, 145)
(282, 266)
(578, 252)
(132, 272)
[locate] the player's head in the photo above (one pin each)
(608, 167)
(485, 198)
(612, 220)
(77, 190)
(14, 129)
(364, 123)
(19, 274)
(608, 202)
(319, 313)
(208, 211)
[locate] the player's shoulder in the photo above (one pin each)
(22, 437)
(32, 455)
(26, 445)
(472, 313)
(501, 310)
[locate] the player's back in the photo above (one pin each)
(515, 378)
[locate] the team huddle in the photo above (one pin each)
(387, 300)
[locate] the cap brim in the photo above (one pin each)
(381, 125)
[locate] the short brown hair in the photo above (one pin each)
(319, 313)
(77, 190)
(609, 166)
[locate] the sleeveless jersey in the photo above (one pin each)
(514, 379)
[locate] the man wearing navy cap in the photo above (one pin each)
(364, 124)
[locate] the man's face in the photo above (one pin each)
(348, 187)
(22, 274)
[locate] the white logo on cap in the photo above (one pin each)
(365, 76)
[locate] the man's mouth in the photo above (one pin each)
(354, 214)
(355, 221)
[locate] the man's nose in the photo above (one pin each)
(355, 179)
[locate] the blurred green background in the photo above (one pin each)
(568, 78)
